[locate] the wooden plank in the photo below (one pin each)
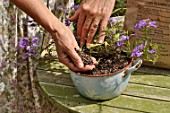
(97, 108)
(65, 79)
(150, 92)
(70, 98)
(54, 77)
(152, 80)
(139, 104)
(153, 70)
(145, 93)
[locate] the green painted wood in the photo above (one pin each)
(145, 92)
(155, 80)
(150, 92)
(154, 70)
(139, 104)
(54, 77)
(70, 98)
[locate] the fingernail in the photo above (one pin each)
(80, 65)
(100, 41)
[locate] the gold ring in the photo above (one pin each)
(95, 26)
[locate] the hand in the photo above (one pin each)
(66, 45)
(64, 39)
(90, 14)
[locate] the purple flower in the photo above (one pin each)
(117, 19)
(119, 43)
(136, 51)
(152, 24)
(60, 7)
(136, 54)
(143, 45)
(29, 48)
(35, 41)
(152, 51)
(142, 24)
(24, 42)
(123, 37)
(30, 45)
(111, 21)
(66, 12)
(75, 7)
(67, 22)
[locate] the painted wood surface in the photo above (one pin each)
(146, 93)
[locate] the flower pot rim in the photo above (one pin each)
(104, 75)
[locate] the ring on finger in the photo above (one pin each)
(95, 25)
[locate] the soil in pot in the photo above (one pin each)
(107, 63)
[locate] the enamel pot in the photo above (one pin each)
(104, 87)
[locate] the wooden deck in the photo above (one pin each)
(148, 91)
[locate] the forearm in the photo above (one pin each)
(40, 13)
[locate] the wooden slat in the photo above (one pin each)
(150, 92)
(154, 70)
(153, 80)
(96, 108)
(70, 98)
(145, 93)
(139, 104)
(54, 77)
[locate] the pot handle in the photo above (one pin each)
(135, 65)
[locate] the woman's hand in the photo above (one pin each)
(66, 48)
(64, 39)
(90, 14)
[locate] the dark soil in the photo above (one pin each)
(108, 64)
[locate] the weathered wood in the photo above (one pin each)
(145, 93)
(153, 70)
(152, 80)
(140, 96)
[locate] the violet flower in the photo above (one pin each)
(124, 38)
(75, 7)
(152, 51)
(136, 51)
(60, 7)
(24, 42)
(152, 24)
(111, 21)
(66, 13)
(119, 43)
(67, 22)
(136, 54)
(30, 45)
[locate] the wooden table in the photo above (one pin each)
(148, 91)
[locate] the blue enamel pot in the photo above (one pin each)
(104, 87)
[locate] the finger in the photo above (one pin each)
(80, 23)
(64, 59)
(75, 58)
(74, 17)
(103, 26)
(92, 31)
(94, 61)
(87, 68)
(85, 28)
